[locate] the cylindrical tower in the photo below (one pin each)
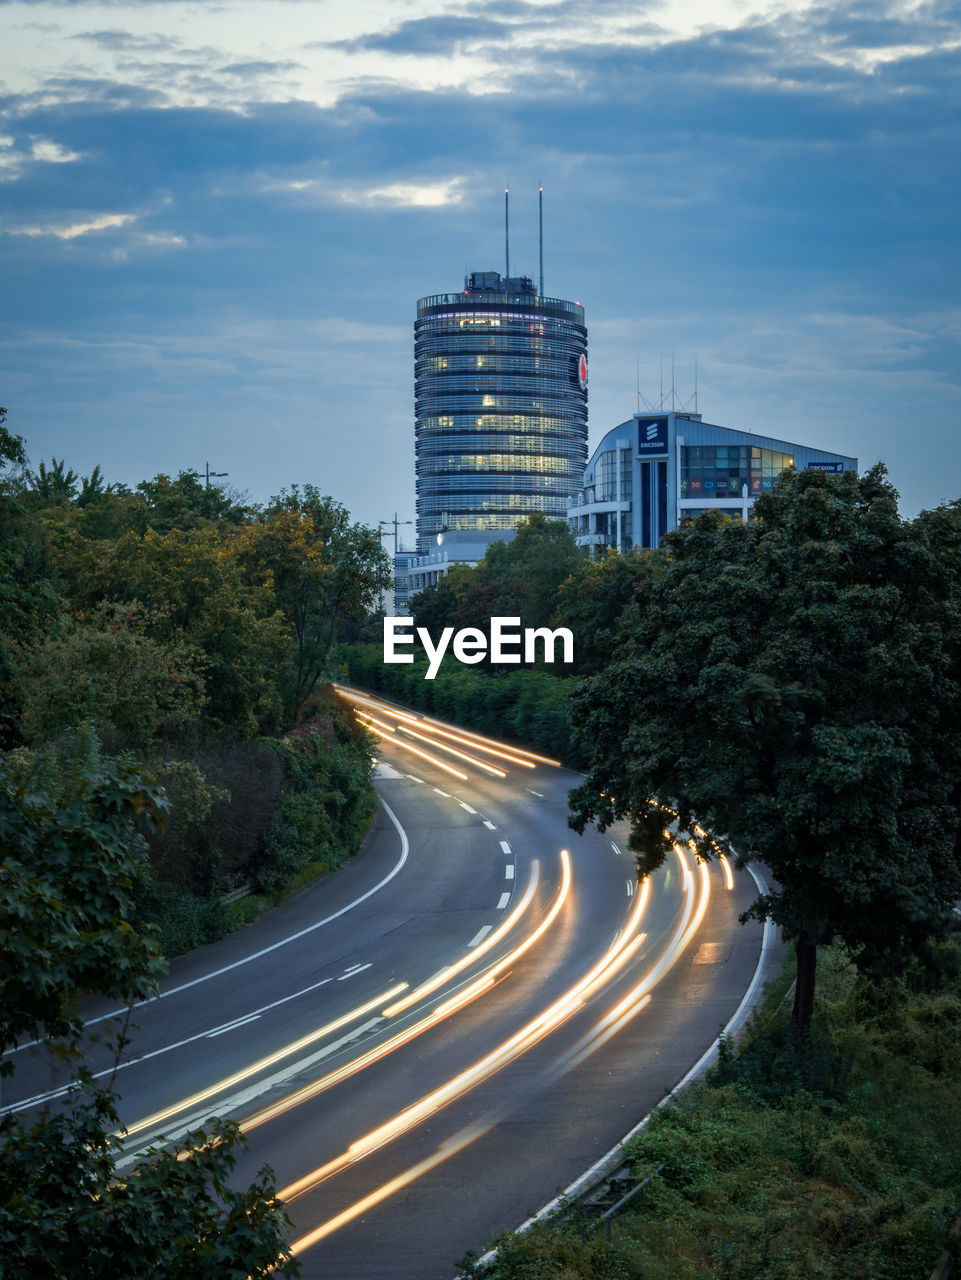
(500, 392)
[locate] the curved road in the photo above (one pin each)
(429, 1044)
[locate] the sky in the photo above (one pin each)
(216, 220)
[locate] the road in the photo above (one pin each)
(428, 1044)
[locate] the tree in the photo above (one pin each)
(69, 854)
(591, 601)
(322, 570)
(793, 685)
(110, 670)
(29, 607)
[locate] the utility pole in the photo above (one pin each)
(395, 522)
(212, 475)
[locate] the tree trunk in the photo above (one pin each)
(806, 952)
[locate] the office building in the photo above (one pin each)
(656, 469)
(500, 389)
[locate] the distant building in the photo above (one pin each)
(449, 549)
(656, 469)
(500, 390)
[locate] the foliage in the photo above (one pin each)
(70, 855)
(527, 704)
(175, 1217)
(109, 668)
(792, 683)
(321, 569)
(29, 607)
(768, 1175)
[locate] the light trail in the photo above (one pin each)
(229, 1082)
(459, 1001)
(470, 957)
(385, 732)
(547, 1021)
(468, 737)
(728, 873)
(461, 755)
(627, 1008)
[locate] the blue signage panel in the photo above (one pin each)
(825, 466)
(652, 438)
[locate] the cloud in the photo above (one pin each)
(73, 230)
(441, 33)
(412, 194)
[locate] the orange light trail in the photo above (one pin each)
(459, 1001)
(470, 957)
(407, 746)
(461, 755)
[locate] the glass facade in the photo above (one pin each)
(721, 471)
(500, 402)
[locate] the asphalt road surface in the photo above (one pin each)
(431, 1043)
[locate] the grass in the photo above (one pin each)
(841, 1163)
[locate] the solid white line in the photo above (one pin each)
(466, 806)
(509, 872)
(616, 1155)
(505, 898)
(615, 848)
(480, 935)
(490, 826)
(536, 793)
(155, 1053)
(349, 973)
(630, 888)
(293, 937)
(232, 1026)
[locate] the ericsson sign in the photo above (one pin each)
(652, 438)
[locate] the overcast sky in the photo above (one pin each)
(216, 220)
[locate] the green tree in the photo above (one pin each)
(30, 609)
(69, 855)
(322, 570)
(108, 668)
(792, 684)
(591, 601)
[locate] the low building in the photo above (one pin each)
(448, 549)
(657, 469)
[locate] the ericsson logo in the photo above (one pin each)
(652, 431)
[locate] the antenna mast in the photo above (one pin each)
(507, 232)
(540, 221)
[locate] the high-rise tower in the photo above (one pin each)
(500, 392)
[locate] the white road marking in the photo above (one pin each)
(509, 872)
(155, 1053)
(349, 973)
(480, 935)
(245, 1096)
(489, 825)
(232, 1026)
(414, 778)
(505, 898)
(442, 793)
(293, 937)
(505, 846)
(539, 794)
(615, 848)
(630, 888)
(466, 806)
